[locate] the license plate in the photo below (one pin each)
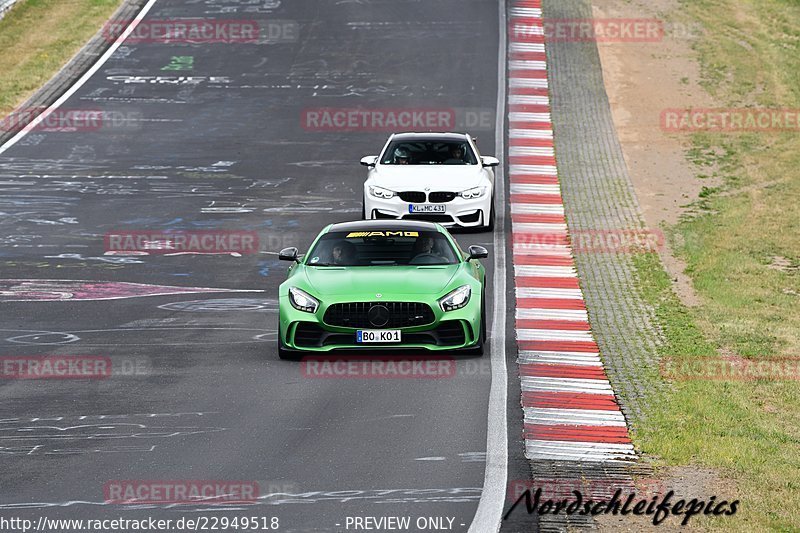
(426, 208)
(377, 335)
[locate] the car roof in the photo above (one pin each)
(416, 136)
(382, 225)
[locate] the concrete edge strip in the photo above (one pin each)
(559, 364)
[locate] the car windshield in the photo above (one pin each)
(429, 152)
(382, 248)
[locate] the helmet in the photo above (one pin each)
(401, 153)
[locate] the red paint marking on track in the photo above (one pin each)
(549, 199)
(547, 283)
(560, 346)
(530, 56)
(533, 218)
(569, 400)
(530, 74)
(535, 126)
(532, 160)
(543, 260)
(555, 237)
(550, 303)
(529, 108)
(544, 370)
(606, 434)
(533, 179)
(530, 91)
(524, 141)
(564, 325)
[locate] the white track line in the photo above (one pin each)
(554, 335)
(578, 451)
(541, 151)
(577, 357)
(488, 516)
(590, 386)
(534, 188)
(534, 271)
(577, 417)
(538, 292)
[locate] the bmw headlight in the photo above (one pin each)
(455, 299)
(380, 192)
(475, 192)
(302, 301)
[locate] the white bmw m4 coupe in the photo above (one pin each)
(438, 177)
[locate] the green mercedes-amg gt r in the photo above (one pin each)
(379, 284)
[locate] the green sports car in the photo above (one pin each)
(379, 284)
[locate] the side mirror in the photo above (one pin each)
(489, 161)
(369, 161)
(288, 254)
(478, 252)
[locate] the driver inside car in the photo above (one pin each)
(402, 156)
(343, 253)
(456, 155)
(425, 251)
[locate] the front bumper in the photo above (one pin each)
(458, 212)
(453, 330)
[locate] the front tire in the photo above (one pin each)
(285, 354)
(363, 209)
(490, 225)
(479, 348)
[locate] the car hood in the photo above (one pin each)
(437, 177)
(390, 281)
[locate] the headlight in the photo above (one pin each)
(380, 192)
(455, 299)
(302, 301)
(476, 192)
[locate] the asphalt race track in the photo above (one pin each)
(211, 137)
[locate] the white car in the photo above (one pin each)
(438, 177)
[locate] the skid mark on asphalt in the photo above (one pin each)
(50, 290)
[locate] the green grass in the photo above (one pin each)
(749, 432)
(38, 37)
(741, 243)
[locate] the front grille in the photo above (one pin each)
(442, 219)
(441, 197)
(401, 314)
(415, 197)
